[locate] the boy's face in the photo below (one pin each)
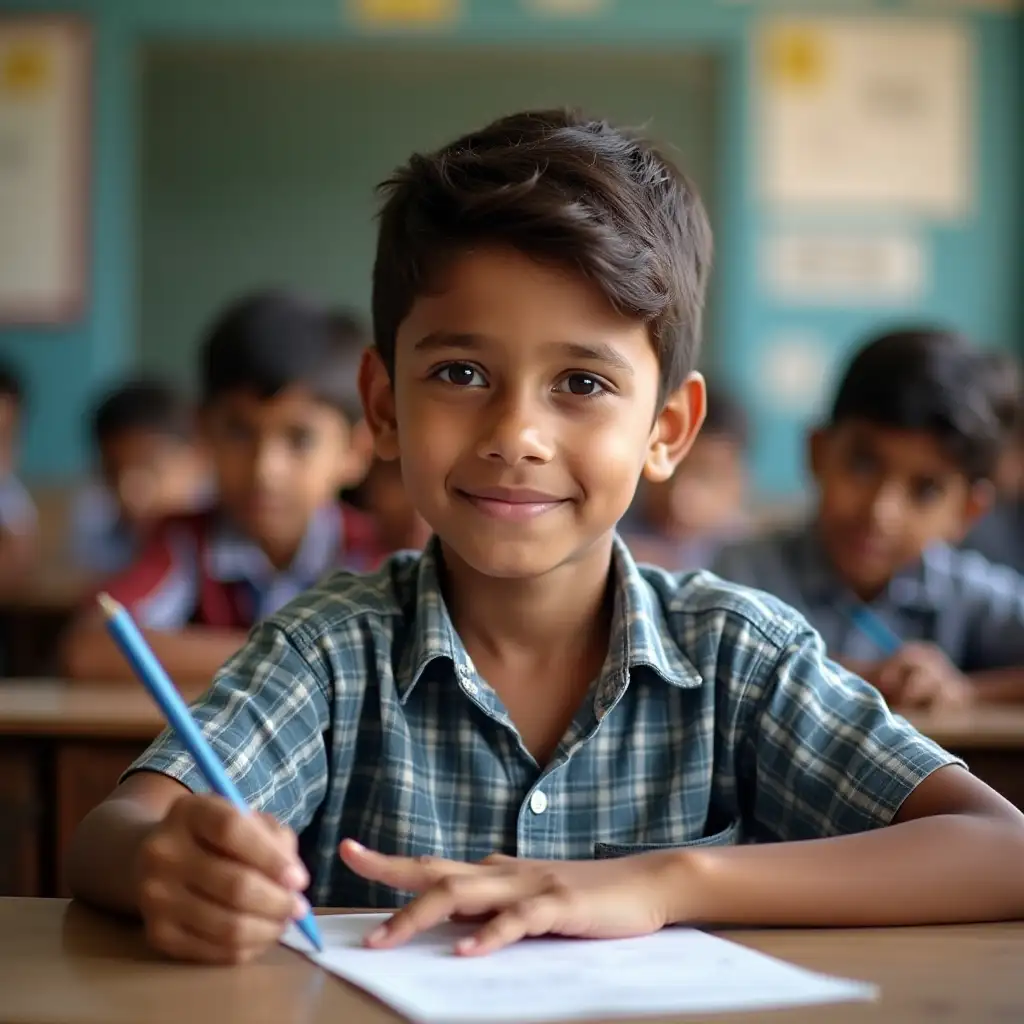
(884, 496)
(278, 460)
(151, 473)
(524, 410)
(706, 493)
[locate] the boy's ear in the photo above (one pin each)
(378, 397)
(675, 429)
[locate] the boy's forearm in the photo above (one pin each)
(190, 656)
(999, 686)
(943, 869)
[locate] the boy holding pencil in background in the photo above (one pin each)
(277, 379)
(519, 723)
(903, 468)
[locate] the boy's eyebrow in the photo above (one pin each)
(598, 351)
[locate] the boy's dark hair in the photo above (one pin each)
(144, 406)
(725, 416)
(561, 188)
(273, 340)
(931, 380)
(11, 385)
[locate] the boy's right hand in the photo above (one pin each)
(218, 886)
(919, 675)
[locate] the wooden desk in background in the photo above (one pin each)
(62, 748)
(63, 963)
(989, 739)
(34, 618)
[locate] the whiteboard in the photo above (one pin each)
(44, 78)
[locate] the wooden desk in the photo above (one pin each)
(34, 617)
(989, 739)
(62, 963)
(62, 748)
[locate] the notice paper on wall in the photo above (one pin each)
(678, 970)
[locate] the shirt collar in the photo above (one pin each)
(232, 557)
(641, 632)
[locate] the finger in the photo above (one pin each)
(478, 894)
(413, 874)
(219, 826)
(241, 889)
(536, 915)
(919, 690)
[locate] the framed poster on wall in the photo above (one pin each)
(44, 132)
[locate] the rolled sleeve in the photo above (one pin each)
(265, 716)
(826, 755)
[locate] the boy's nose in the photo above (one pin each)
(887, 506)
(516, 433)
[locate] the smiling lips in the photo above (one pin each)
(511, 504)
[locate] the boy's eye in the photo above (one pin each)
(926, 490)
(300, 438)
(584, 385)
(462, 375)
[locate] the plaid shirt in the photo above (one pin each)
(971, 609)
(356, 711)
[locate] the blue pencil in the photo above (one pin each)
(151, 674)
(875, 629)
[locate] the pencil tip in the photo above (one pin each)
(108, 604)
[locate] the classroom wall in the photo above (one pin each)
(287, 195)
(975, 262)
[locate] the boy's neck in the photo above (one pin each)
(566, 613)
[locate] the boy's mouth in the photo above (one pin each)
(511, 504)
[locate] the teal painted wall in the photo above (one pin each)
(976, 264)
(287, 194)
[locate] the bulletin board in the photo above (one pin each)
(44, 132)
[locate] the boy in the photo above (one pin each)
(399, 526)
(521, 688)
(903, 469)
(151, 469)
(275, 382)
(682, 522)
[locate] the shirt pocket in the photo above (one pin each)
(727, 837)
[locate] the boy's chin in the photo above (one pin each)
(511, 560)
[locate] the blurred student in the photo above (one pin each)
(275, 379)
(150, 468)
(680, 523)
(18, 518)
(999, 535)
(903, 468)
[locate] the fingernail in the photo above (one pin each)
(301, 908)
(377, 935)
(296, 877)
(357, 847)
(467, 944)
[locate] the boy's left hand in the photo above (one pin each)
(601, 899)
(919, 675)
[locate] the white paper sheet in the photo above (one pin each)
(679, 970)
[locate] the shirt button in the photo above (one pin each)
(539, 801)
